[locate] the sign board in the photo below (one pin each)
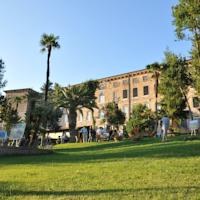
(193, 124)
(3, 135)
(17, 131)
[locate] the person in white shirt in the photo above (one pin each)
(84, 132)
(165, 127)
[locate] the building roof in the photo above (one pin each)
(124, 75)
(20, 90)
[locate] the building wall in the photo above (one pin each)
(22, 107)
(111, 89)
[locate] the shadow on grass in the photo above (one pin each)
(150, 190)
(111, 152)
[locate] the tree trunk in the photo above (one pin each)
(72, 125)
(47, 74)
(187, 102)
(156, 95)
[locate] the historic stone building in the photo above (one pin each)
(126, 89)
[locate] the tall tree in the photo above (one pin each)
(174, 83)
(155, 69)
(8, 115)
(187, 22)
(2, 71)
(75, 98)
(48, 42)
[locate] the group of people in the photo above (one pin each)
(163, 127)
(96, 135)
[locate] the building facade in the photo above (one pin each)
(126, 90)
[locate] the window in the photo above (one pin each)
(125, 82)
(135, 80)
(125, 94)
(80, 117)
(146, 90)
(102, 86)
(195, 102)
(115, 84)
(145, 78)
(147, 105)
(101, 98)
(115, 99)
(135, 92)
(125, 110)
(88, 116)
(101, 114)
(65, 118)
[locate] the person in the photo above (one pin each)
(58, 141)
(93, 133)
(84, 132)
(165, 127)
(63, 138)
(90, 134)
(159, 129)
(110, 134)
(99, 133)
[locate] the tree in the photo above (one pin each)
(174, 83)
(48, 42)
(75, 98)
(113, 115)
(41, 117)
(2, 71)
(8, 115)
(141, 119)
(187, 22)
(155, 69)
(17, 100)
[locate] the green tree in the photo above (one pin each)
(187, 22)
(75, 98)
(17, 100)
(156, 69)
(41, 116)
(8, 115)
(174, 83)
(48, 42)
(2, 71)
(141, 119)
(113, 115)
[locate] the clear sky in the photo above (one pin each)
(98, 38)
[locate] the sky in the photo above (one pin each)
(98, 38)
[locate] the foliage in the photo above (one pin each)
(141, 119)
(48, 42)
(75, 98)
(8, 115)
(2, 71)
(41, 116)
(173, 87)
(187, 22)
(113, 115)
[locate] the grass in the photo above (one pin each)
(124, 170)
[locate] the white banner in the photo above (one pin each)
(17, 131)
(3, 135)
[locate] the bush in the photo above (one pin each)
(142, 121)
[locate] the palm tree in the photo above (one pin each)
(48, 42)
(17, 100)
(155, 68)
(75, 98)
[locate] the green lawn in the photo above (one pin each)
(122, 170)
